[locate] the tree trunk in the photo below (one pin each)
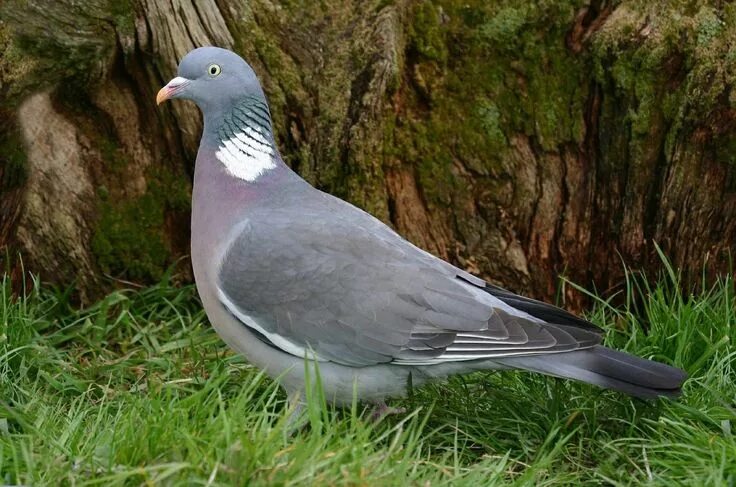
(519, 140)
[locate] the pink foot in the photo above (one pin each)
(382, 410)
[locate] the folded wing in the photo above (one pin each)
(356, 293)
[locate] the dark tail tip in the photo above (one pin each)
(609, 369)
(636, 370)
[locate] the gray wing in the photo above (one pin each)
(347, 289)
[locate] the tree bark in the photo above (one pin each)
(519, 140)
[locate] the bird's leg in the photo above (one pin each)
(294, 422)
(382, 410)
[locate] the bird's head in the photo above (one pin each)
(212, 78)
(237, 121)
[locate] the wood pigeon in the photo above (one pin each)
(290, 275)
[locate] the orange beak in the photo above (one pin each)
(171, 89)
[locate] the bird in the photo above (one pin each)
(295, 279)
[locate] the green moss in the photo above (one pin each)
(129, 239)
(122, 13)
(505, 27)
(672, 67)
(426, 34)
(709, 25)
(15, 68)
(483, 71)
(113, 155)
(172, 189)
(490, 121)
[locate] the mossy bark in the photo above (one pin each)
(520, 140)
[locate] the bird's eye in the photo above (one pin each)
(213, 69)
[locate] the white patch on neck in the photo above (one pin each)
(247, 155)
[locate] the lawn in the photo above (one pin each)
(137, 389)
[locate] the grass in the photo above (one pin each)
(137, 389)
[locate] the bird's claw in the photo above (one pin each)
(382, 410)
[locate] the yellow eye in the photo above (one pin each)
(213, 70)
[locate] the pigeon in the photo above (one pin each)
(297, 280)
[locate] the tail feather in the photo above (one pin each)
(606, 368)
